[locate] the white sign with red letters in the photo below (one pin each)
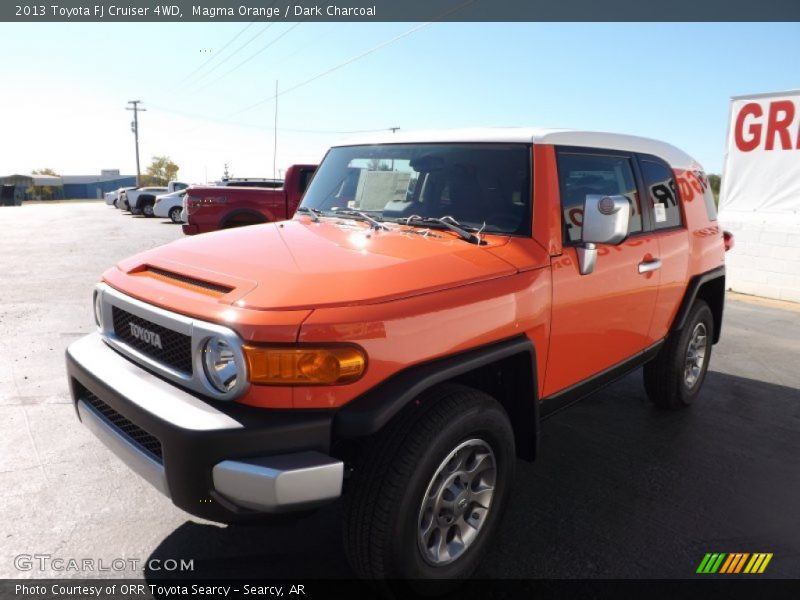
(760, 197)
(762, 158)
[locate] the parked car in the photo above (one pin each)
(170, 205)
(223, 207)
(111, 197)
(141, 200)
(402, 349)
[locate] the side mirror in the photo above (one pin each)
(605, 221)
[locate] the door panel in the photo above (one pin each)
(673, 250)
(664, 201)
(603, 318)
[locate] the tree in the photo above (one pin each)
(714, 181)
(377, 164)
(160, 172)
(42, 192)
(226, 174)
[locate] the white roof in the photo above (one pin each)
(535, 135)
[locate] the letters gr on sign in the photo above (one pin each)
(750, 132)
(145, 335)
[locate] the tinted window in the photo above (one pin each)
(481, 186)
(708, 196)
(663, 192)
(584, 174)
(305, 177)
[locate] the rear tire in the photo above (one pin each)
(175, 214)
(674, 377)
(441, 470)
(147, 210)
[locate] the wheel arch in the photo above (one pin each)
(710, 287)
(143, 199)
(505, 370)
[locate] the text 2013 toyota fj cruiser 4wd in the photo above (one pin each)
(398, 341)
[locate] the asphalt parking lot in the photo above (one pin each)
(621, 490)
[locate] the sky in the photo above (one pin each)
(208, 87)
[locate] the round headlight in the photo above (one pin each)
(219, 364)
(98, 309)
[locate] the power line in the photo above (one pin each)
(262, 31)
(327, 72)
(355, 58)
(251, 57)
(189, 115)
(218, 53)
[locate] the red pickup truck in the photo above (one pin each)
(209, 208)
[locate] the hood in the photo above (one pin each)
(302, 264)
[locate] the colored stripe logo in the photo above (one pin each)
(734, 563)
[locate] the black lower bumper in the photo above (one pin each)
(193, 435)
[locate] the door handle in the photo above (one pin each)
(649, 266)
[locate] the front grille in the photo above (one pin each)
(175, 348)
(146, 442)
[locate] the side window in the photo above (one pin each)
(663, 191)
(708, 196)
(583, 174)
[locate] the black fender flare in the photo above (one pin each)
(370, 412)
(697, 282)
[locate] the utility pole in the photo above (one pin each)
(275, 136)
(394, 129)
(135, 129)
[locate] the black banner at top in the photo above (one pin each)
(397, 10)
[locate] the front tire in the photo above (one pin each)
(429, 490)
(674, 377)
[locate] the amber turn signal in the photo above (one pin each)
(271, 365)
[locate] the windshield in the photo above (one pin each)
(479, 185)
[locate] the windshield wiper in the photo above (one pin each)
(373, 223)
(446, 222)
(314, 213)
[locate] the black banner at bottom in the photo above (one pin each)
(727, 588)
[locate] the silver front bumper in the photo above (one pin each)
(301, 480)
(269, 484)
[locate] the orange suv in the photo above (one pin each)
(399, 340)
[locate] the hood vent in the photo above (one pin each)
(190, 283)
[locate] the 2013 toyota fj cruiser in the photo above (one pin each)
(399, 340)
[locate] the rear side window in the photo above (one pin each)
(584, 174)
(708, 196)
(663, 194)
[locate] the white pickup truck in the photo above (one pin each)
(141, 200)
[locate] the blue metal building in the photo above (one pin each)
(94, 186)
